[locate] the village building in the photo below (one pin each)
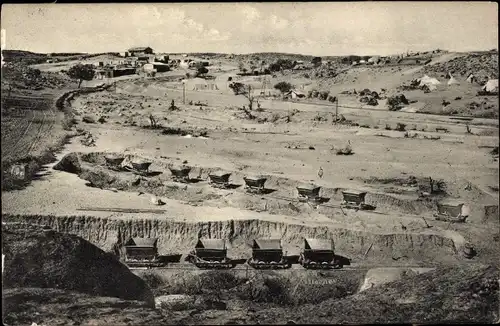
(140, 51)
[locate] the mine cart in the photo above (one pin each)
(353, 199)
(180, 174)
(141, 167)
(450, 211)
(319, 254)
(255, 184)
(309, 193)
(268, 254)
(211, 254)
(219, 179)
(114, 162)
(142, 252)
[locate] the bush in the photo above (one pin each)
(396, 102)
(153, 280)
(283, 87)
(401, 127)
(332, 99)
(88, 119)
(266, 289)
(323, 95)
(275, 117)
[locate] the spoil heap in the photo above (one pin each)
(37, 257)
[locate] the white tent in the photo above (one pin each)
(491, 86)
(295, 94)
(374, 59)
(426, 80)
(453, 81)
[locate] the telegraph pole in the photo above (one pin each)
(184, 93)
(336, 109)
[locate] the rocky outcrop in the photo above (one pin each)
(40, 257)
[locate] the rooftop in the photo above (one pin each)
(139, 48)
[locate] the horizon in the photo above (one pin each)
(309, 29)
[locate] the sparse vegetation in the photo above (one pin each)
(81, 72)
(396, 102)
(283, 87)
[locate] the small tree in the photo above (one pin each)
(283, 87)
(238, 88)
(81, 73)
(249, 96)
(241, 66)
(246, 91)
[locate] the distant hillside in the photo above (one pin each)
(31, 58)
(23, 56)
(483, 65)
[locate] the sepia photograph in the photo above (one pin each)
(242, 163)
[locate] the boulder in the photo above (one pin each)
(69, 163)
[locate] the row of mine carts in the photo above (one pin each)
(266, 254)
(452, 211)
(253, 184)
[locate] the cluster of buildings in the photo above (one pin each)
(141, 60)
(134, 61)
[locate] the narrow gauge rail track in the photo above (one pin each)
(245, 267)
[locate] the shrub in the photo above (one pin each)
(275, 117)
(153, 280)
(401, 127)
(283, 87)
(88, 119)
(323, 95)
(266, 289)
(396, 102)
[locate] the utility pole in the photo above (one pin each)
(336, 109)
(184, 93)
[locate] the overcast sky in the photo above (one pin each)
(362, 28)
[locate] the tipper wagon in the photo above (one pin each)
(142, 252)
(319, 254)
(268, 254)
(210, 253)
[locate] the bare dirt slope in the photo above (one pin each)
(43, 258)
